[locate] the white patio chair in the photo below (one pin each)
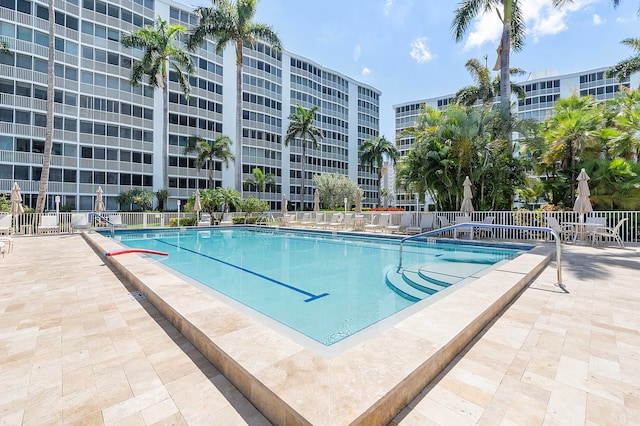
(405, 222)
(5, 224)
(378, 223)
(227, 219)
(205, 220)
(115, 220)
(565, 231)
(48, 224)
(79, 221)
(603, 232)
(426, 224)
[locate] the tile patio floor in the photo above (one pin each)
(75, 348)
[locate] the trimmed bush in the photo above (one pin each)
(184, 221)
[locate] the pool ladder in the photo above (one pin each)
(556, 237)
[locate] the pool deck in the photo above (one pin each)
(75, 347)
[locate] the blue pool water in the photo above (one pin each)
(325, 286)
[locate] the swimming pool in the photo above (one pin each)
(325, 286)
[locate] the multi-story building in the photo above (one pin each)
(108, 133)
(543, 91)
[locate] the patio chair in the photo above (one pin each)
(486, 232)
(565, 231)
(5, 224)
(465, 230)
(593, 223)
(8, 244)
(205, 220)
(306, 220)
(79, 221)
(48, 224)
(378, 223)
(227, 219)
(405, 222)
(426, 224)
(603, 232)
(115, 220)
(444, 222)
(336, 221)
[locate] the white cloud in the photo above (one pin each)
(356, 52)
(365, 71)
(597, 20)
(388, 5)
(420, 51)
(540, 16)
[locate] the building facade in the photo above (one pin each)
(108, 133)
(543, 91)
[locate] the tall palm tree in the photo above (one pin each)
(373, 152)
(623, 69)
(206, 151)
(231, 22)
(301, 126)
(513, 32)
(486, 88)
(48, 132)
(261, 180)
(162, 51)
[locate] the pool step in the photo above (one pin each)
(415, 282)
(397, 283)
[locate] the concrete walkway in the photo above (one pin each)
(77, 348)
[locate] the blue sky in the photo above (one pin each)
(405, 48)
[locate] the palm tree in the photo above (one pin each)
(261, 180)
(573, 135)
(623, 69)
(229, 197)
(48, 132)
(373, 152)
(231, 22)
(486, 88)
(161, 52)
(616, 3)
(301, 126)
(206, 151)
(513, 32)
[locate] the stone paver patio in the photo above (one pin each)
(75, 347)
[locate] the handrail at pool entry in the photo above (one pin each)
(556, 236)
(101, 218)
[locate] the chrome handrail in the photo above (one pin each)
(105, 220)
(555, 234)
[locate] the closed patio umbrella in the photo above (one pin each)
(99, 207)
(467, 205)
(284, 204)
(197, 204)
(583, 203)
(316, 201)
(16, 200)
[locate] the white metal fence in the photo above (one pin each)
(28, 223)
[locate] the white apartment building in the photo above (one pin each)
(108, 133)
(543, 90)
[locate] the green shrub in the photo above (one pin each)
(239, 220)
(184, 221)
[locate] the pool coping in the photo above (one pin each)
(366, 384)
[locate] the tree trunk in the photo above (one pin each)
(239, 116)
(165, 131)
(304, 167)
(505, 75)
(379, 185)
(48, 138)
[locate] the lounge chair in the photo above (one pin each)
(205, 220)
(565, 231)
(487, 232)
(8, 243)
(336, 221)
(444, 222)
(603, 232)
(227, 219)
(115, 220)
(405, 222)
(79, 221)
(378, 223)
(463, 230)
(347, 220)
(5, 224)
(48, 224)
(321, 221)
(426, 224)
(306, 219)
